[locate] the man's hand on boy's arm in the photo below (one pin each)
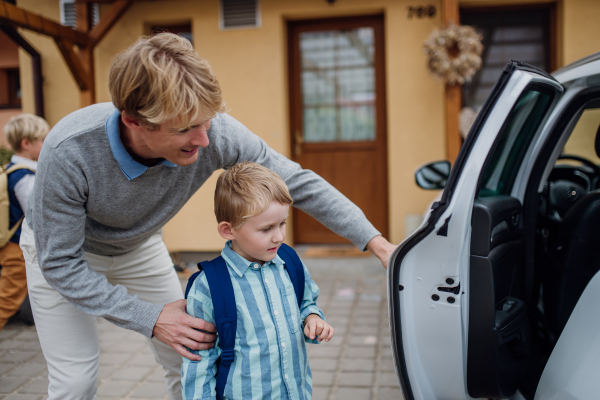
(314, 326)
(381, 248)
(179, 330)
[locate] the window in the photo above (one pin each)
(521, 34)
(338, 85)
(582, 140)
(513, 141)
(184, 30)
(10, 88)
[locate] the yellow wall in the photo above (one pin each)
(581, 30)
(251, 65)
(61, 95)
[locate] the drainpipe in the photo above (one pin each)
(36, 66)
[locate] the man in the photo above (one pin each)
(109, 179)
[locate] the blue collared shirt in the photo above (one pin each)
(131, 168)
(270, 354)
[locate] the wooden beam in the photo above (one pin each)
(110, 17)
(453, 107)
(18, 17)
(36, 66)
(87, 97)
(93, 1)
(453, 93)
(80, 74)
(82, 17)
(450, 12)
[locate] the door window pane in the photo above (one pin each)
(582, 140)
(513, 141)
(338, 85)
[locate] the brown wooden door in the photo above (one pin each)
(337, 110)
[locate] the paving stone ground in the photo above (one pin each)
(355, 365)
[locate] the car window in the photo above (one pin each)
(582, 140)
(513, 141)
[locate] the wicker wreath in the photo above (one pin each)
(454, 53)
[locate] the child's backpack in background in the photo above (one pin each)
(223, 298)
(5, 232)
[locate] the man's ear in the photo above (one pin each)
(130, 122)
(226, 230)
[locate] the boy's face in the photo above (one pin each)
(32, 149)
(36, 148)
(261, 236)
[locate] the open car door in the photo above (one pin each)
(457, 301)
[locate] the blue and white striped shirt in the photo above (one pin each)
(270, 356)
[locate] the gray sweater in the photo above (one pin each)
(82, 201)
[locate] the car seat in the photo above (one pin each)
(573, 258)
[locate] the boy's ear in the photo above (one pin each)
(25, 143)
(226, 230)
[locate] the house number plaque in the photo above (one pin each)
(421, 11)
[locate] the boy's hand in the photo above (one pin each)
(314, 326)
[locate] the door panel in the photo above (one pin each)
(337, 92)
(497, 340)
(431, 335)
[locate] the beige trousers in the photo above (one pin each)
(69, 337)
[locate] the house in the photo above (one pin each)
(341, 86)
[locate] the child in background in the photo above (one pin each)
(270, 360)
(25, 133)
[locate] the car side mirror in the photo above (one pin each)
(433, 176)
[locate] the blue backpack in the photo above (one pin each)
(223, 298)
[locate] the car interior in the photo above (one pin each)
(531, 262)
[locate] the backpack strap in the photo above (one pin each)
(223, 298)
(294, 268)
(15, 167)
(13, 230)
(9, 169)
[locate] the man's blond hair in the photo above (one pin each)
(25, 126)
(161, 77)
(246, 190)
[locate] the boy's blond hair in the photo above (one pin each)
(25, 126)
(246, 190)
(161, 77)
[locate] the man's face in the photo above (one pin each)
(177, 146)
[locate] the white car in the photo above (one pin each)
(497, 295)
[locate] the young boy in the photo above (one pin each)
(270, 360)
(25, 133)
